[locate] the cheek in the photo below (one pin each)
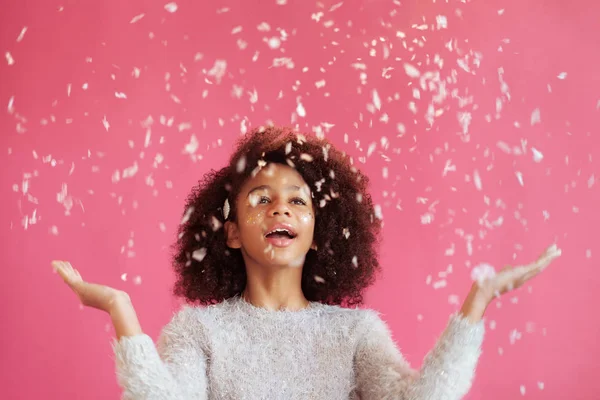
(255, 217)
(307, 218)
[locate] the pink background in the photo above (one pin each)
(64, 75)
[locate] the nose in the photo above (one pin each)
(280, 208)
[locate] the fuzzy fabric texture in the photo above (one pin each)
(234, 350)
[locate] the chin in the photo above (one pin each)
(284, 260)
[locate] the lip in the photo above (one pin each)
(282, 226)
(283, 241)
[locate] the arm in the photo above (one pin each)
(446, 374)
(176, 370)
(448, 369)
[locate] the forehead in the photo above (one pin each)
(276, 175)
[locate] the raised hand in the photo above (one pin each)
(90, 294)
(510, 278)
(491, 284)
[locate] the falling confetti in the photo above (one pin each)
(537, 155)
(535, 117)
(300, 110)
(105, 123)
(9, 58)
(171, 7)
(411, 70)
(22, 34)
(137, 18)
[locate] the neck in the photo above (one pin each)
(275, 289)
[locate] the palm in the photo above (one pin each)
(510, 278)
(90, 294)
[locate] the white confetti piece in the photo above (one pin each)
(535, 117)
(192, 146)
(120, 95)
(514, 335)
(541, 385)
(426, 219)
(591, 181)
(171, 7)
(274, 43)
(376, 100)
(9, 58)
(22, 34)
(378, 212)
(442, 22)
(11, 102)
(300, 110)
(588, 253)
(439, 284)
(537, 155)
(218, 70)
(562, 75)
(105, 123)
(411, 70)
(477, 180)
(199, 254)
(520, 178)
(187, 215)
(546, 215)
(482, 272)
(522, 390)
(137, 18)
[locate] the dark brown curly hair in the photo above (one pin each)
(346, 227)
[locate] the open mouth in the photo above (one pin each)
(281, 233)
(281, 236)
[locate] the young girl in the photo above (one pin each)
(273, 252)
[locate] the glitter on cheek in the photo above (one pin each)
(307, 218)
(255, 218)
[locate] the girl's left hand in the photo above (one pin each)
(510, 278)
(485, 290)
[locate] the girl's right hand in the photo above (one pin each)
(90, 294)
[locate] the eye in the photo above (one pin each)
(298, 201)
(263, 200)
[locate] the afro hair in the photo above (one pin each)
(346, 233)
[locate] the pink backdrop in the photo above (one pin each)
(477, 121)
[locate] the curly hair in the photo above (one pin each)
(346, 232)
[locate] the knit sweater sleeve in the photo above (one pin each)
(447, 371)
(173, 370)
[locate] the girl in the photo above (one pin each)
(273, 253)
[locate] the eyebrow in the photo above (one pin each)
(267, 187)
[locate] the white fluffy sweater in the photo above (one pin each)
(234, 350)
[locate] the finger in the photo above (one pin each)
(66, 271)
(60, 269)
(550, 254)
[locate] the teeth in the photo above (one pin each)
(281, 230)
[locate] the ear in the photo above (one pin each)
(313, 246)
(232, 235)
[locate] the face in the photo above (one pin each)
(275, 218)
